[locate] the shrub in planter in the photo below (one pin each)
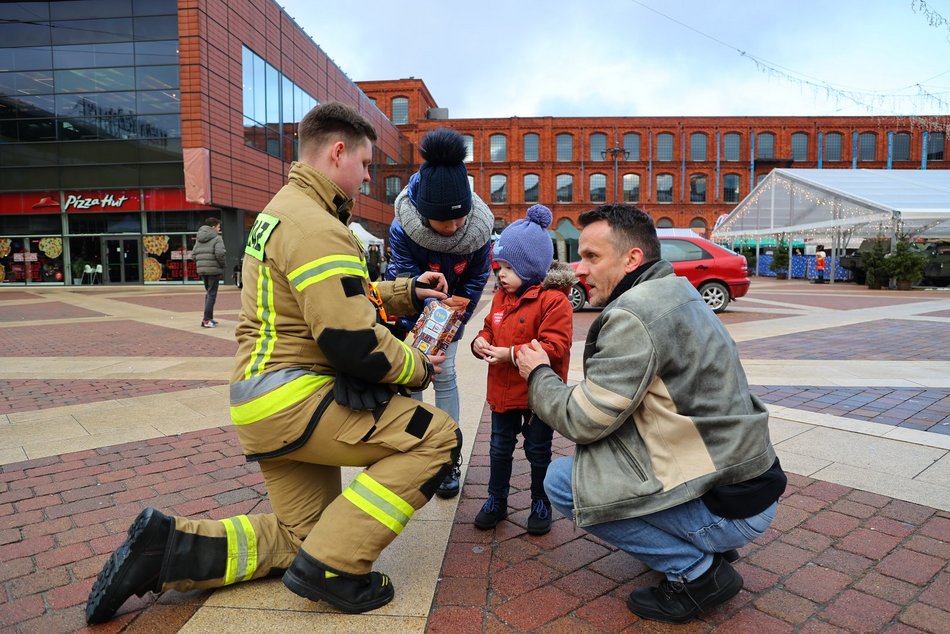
(875, 266)
(779, 263)
(905, 265)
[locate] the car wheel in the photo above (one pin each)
(578, 297)
(715, 295)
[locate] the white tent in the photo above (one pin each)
(820, 204)
(365, 236)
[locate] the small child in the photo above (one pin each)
(532, 304)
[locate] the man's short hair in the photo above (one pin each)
(330, 121)
(631, 226)
(212, 222)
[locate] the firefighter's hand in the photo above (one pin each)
(431, 284)
(359, 395)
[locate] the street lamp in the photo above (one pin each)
(615, 152)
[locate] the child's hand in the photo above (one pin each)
(480, 346)
(496, 354)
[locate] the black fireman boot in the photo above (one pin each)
(679, 602)
(449, 487)
(310, 579)
(134, 568)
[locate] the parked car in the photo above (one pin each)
(720, 275)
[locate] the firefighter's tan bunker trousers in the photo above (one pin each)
(406, 450)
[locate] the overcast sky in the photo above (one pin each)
(502, 58)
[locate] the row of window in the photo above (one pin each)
(597, 188)
(830, 148)
(272, 105)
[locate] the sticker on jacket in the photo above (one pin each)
(259, 234)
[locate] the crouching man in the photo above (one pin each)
(673, 461)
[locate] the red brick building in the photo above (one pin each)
(685, 171)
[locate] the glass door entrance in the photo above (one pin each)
(123, 262)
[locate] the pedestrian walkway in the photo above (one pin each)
(112, 399)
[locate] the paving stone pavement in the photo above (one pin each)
(114, 400)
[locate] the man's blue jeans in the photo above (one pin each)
(678, 542)
(445, 384)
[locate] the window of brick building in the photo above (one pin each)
(664, 223)
(531, 145)
(697, 188)
(531, 188)
(901, 151)
(731, 146)
(765, 146)
(598, 188)
(393, 187)
(664, 188)
(833, 146)
(498, 147)
(697, 146)
(800, 146)
(664, 147)
(499, 188)
(565, 188)
(598, 146)
(469, 141)
(867, 146)
(400, 110)
(936, 141)
(730, 188)
(565, 147)
(631, 188)
(631, 144)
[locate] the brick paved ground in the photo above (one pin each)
(26, 395)
(835, 560)
(884, 340)
(114, 338)
(912, 408)
(60, 518)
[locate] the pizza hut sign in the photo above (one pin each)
(102, 201)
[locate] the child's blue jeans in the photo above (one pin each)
(505, 427)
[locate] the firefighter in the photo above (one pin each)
(316, 386)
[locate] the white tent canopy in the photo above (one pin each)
(837, 204)
(365, 236)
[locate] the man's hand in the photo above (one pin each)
(529, 357)
(431, 284)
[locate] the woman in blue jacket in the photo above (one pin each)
(441, 225)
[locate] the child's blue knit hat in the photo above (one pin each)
(526, 245)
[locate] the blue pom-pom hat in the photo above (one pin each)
(526, 246)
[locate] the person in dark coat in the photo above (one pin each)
(441, 225)
(209, 256)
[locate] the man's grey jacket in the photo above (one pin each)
(664, 412)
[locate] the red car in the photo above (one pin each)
(720, 275)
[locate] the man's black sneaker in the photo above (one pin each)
(730, 555)
(493, 511)
(539, 521)
(679, 602)
(310, 579)
(134, 567)
(450, 485)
